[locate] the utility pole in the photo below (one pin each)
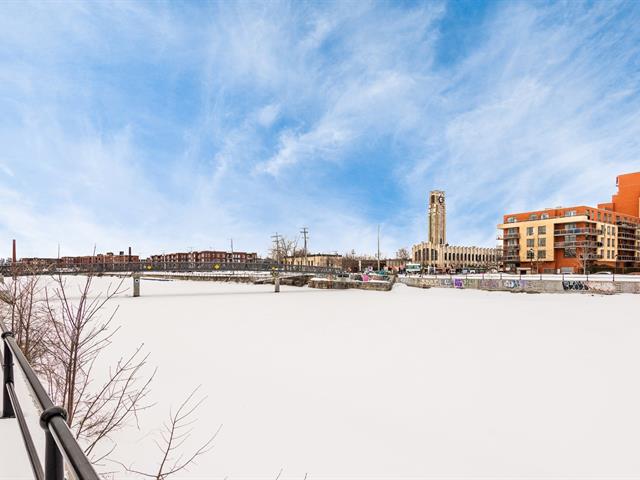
(304, 233)
(378, 247)
(276, 241)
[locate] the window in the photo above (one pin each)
(542, 254)
(599, 216)
(542, 229)
(511, 220)
(530, 242)
(570, 213)
(569, 253)
(529, 230)
(544, 216)
(542, 242)
(533, 216)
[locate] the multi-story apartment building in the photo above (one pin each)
(205, 256)
(438, 254)
(574, 239)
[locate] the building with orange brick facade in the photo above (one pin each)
(577, 239)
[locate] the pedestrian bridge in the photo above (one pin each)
(44, 268)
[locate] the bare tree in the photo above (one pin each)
(21, 310)
(283, 247)
(585, 258)
(174, 434)
(77, 336)
(403, 254)
(64, 335)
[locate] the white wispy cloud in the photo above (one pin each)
(170, 127)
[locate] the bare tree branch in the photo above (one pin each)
(173, 436)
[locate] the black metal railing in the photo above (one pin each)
(147, 266)
(60, 444)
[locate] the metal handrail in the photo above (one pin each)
(59, 440)
(11, 409)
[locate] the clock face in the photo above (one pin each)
(441, 199)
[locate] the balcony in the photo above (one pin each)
(628, 258)
(511, 258)
(628, 225)
(578, 244)
(630, 236)
(508, 236)
(577, 231)
(629, 248)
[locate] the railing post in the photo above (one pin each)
(53, 461)
(7, 374)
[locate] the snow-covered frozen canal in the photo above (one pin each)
(405, 384)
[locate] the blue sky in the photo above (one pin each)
(170, 126)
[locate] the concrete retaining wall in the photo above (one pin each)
(343, 284)
(526, 285)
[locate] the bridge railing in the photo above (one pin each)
(60, 444)
(144, 266)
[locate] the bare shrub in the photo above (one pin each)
(78, 334)
(175, 432)
(21, 312)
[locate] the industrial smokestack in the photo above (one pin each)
(129, 254)
(14, 251)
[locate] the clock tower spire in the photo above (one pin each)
(437, 218)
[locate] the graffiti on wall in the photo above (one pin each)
(457, 283)
(511, 284)
(575, 285)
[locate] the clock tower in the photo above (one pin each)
(437, 218)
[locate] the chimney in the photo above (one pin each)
(14, 251)
(129, 254)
